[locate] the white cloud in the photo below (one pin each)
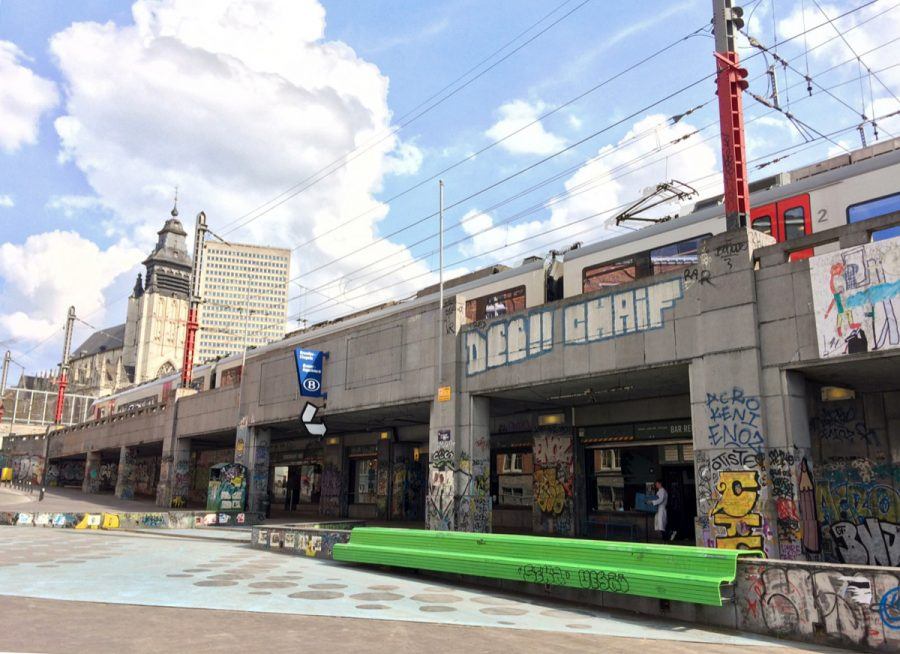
(6, 202)
(234, 102)
(825, 46)
(72, 205)
(534, 139)
(24, 97)
(51, 271)
(597, 190)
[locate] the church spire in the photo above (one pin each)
(175, 206)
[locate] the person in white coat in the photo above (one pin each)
(659, 520)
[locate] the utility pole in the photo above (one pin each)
(64, 366)
(60, 396)
(6, 359)
(440, 346)
(730, 82)
(187, 365)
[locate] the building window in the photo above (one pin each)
(365, 472)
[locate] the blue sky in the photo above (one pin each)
(108, 106)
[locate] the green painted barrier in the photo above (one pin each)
(673, 572)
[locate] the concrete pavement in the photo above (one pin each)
(33, 625)
(65, 574)
(70, 500)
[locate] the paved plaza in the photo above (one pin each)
(67, 573)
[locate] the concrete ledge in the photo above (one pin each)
(854, 607)
(126, 520)
(312, 539)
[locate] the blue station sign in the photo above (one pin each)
(309, 371)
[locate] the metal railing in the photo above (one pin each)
(24, 406)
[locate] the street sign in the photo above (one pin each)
(309, 371)
(308, 415)
(444, 393)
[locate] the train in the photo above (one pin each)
(848, 188)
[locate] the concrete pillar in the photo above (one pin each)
(175, 463)
(252, 450)
(459, 470)
(91, 483)
(125, 479)
(459, 493)
(333, 497)
(736, 503)
(175, 475)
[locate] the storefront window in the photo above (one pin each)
(496, 304)
(515, 478)
(279, 483)
(310, 483)
(364, 480)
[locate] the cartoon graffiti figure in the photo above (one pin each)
(837, 285)
(738, 495)
(843, 315)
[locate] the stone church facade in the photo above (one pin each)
(150, 343)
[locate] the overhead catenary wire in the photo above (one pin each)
(494, 143)
(339, 163)
(786, 40)
(381, 271)
(612, 209)
(431, 215)
(851, 48)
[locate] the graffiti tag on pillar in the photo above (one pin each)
(736, 510)
(734, 420)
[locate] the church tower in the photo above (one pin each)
(158, 307)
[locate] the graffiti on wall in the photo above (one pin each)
(782, 468)
(406, 497)
(856, 298)
(506, 342)
(554, 481)
(458, 492)
(734, 420)
(872, 542)
(842, 422)
(737, 510)
(331, 490)
(839, 606)
(618, 314)
(607, 316)
(809, 516)
(28, 468)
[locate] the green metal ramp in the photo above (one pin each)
(673, 572)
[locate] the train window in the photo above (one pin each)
(794, 222)
(763, 224)
(495, 304)
(675, 256)
(873, 209)
(604, 275)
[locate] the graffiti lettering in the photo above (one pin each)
(736, 510)
(510, 341)
(734, 420)
(871, 543)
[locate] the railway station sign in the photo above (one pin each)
(309, 371)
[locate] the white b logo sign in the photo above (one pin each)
(311, 384)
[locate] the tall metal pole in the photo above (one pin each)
(6, 359)
(730, 83)
(64, 366)
(60, 396)
(187, 364)
(440, 344)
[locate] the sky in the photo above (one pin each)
(324, 126)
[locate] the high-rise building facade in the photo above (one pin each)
(244, 294)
